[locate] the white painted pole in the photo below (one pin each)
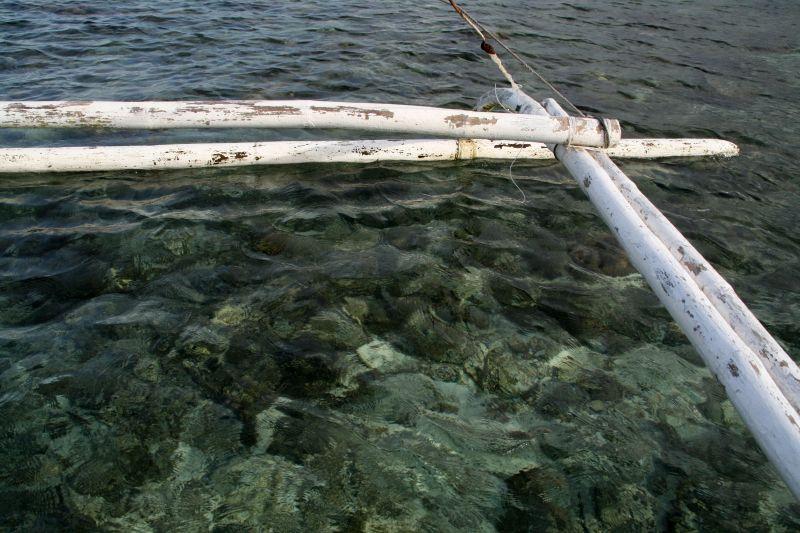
(762, 404)
(660, 148)
(175, 156)
(764, 408)
(310, 114)
(783, 370)
(780, 366)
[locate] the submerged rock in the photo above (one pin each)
(539, 500)
(230, 315)
(380, 355)
(499, 370)
(600, 385)
(337, 330)
(198, 342)
(434, 339)
(558, 399)
(604, 257)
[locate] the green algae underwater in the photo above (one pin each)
(387, 347)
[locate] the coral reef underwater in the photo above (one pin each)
(372, 349)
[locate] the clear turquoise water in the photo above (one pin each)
(390, 347)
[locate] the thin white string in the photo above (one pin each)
(510, 174)
(497, 97)
(511, 177)
(511, 166)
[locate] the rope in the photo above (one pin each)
(482, 31)
(485, 46)
(469, 20)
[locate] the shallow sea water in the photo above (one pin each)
(386, 347)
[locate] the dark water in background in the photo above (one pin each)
(393, 347)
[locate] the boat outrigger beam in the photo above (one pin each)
(761, 380)
(197, 155)
(451, 123)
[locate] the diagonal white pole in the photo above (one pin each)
(754, 392)
(719, 292)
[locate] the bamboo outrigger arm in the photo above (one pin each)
(440, 122)
(760, 379)
(197, 155)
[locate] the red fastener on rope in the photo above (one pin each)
(486, 47)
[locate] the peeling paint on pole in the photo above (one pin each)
(305, 114)
(175, 156)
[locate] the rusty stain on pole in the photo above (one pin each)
(389, 118)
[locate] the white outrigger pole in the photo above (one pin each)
(761, 380)
(199, 155)
(309, 114)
